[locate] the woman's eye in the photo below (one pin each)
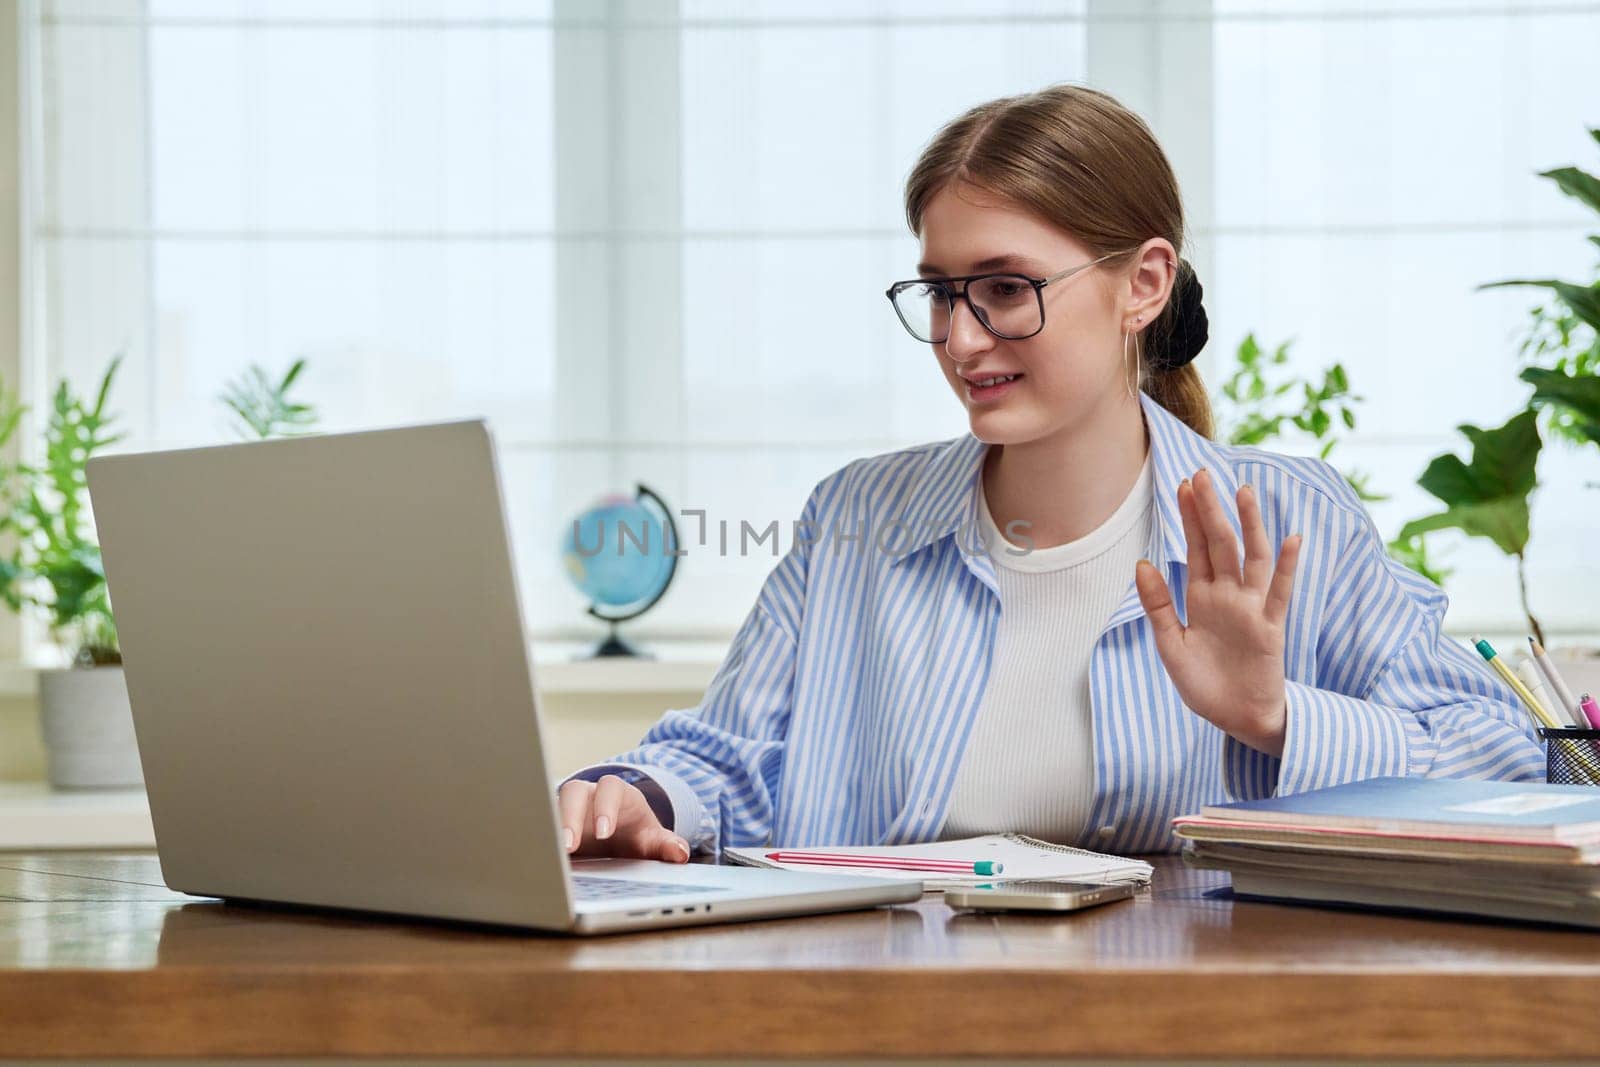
(1003, 290)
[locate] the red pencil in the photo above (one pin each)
(848, 859)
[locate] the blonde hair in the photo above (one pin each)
(1078, 158)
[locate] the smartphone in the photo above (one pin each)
(1039, 895)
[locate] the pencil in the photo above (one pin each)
(1486, 650)
(1558, 685)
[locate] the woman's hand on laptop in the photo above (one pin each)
(612, 818)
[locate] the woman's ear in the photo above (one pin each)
(1153, 274)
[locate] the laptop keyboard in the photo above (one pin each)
(593, 887)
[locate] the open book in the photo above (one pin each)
(1023, 857)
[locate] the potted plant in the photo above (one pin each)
(54, 568)
(1488, 496)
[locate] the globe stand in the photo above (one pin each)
(614, 645)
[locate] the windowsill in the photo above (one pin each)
(34, 816)
(678, 667)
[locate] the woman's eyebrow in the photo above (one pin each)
(992, 263)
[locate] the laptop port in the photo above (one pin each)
(666, 911)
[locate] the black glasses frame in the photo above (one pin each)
(950, 295)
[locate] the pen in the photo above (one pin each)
(1558, 685)
(1486, 650)
(856, 859)
(1591, 711)
(1528, 671)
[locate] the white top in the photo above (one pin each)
(1029, 765)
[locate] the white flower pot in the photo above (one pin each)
(88, 729)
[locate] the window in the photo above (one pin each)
(1374, 164)
(602, 225)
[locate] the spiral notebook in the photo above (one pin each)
(1022, 857)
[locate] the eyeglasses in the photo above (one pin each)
(1010, 306)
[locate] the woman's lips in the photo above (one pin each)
(980, 394)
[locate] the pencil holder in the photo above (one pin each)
(1571, 755)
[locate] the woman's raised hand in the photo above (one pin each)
(1227, 663)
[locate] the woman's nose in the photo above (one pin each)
(968, 338)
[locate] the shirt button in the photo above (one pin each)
(1107, 831)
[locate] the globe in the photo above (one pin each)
(619, 553)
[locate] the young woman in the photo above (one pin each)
(1082, 618)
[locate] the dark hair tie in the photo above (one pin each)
(1189, 330)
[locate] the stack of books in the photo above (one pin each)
(1513, 850)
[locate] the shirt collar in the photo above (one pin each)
(943, 501)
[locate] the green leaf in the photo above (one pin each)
(1361, 482)
(1413, 553)
(1505, 522)
(294, 372)
(1576, 183)
(1489, 496)
(1249, 350)
(1577, 394)
(105, 386)
(263, 409)
(1583, 300)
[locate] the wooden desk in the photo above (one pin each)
(98, 959)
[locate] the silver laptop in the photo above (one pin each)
(334, 699)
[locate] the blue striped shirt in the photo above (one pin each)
(842, 708)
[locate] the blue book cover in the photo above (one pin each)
(1434, 805)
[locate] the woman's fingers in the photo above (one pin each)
(1193, 534)
(607, 800)
(574, 802)
(1283, 579)
(1220, 541)
(663, 844)
(1257, 549)
(1157, 601)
